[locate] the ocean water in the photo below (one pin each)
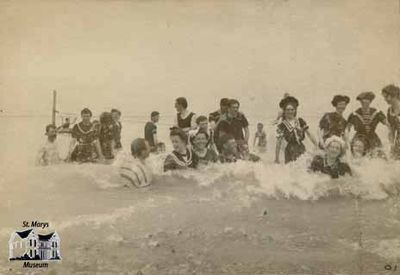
(242, 218)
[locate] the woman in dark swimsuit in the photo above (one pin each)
(293, 130)
(330, 163)
(334, 124)
(106, 135)
(365, 120)
(181, 157)
(391, 93)
(204, 153)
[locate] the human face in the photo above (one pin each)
(290, 111)
(234, 109)
(178, 144)
(203, 125)
(387, 98)
(200, 141)
(334, 149)
(156, 118)
(115, 116)
(358, 148)
(224, 108)
(260, 127)
(365, 103)
(52, 133)
(178, 107)
(86, 118)
(341, 107)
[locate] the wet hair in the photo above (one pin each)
(233, 102)
(86, 111)
(200, 119)
(182, 101)
(179, 133)
(116, 111)
(49, 126)
(391, 90)
(137, 146)
(289, 100)
(340, 98)
(224, 102)
(154, 113)
(106, 118)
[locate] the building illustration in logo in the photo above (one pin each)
(27, 245)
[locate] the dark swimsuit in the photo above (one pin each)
(332, 124)
(185, 122)
(85, 135)
(319, 164)
(394, 124)
(176, 161)
(294, 137)
(365, 126)
(106, 137)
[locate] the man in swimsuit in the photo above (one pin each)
(48, 153)
(229, 149)
(214, 117)
(391, 94)
(116, 115)
(182, 157)
(233, 123)
(184, 119)
(150, 133)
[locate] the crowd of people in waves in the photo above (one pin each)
(224, 135)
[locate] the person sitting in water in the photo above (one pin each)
(233, 123)
(106, 135)
(150, 133)
(48, 154)
(261, 137)
(229, 149)
(116, 115)
(185, 119)
(182, 157)
(204, 153)
(293, 130)
(245, 154)
(334, 124)
(330, 163)
(134, 170)
(85, 145)
(391, 94)
(365, 120)
(202, 125)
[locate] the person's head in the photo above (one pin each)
(289, 106)
(202, 123)
(233, 107)
(178, 138)
(51, 131)
(140, 148)
(116, 114)
(365, 99)
(224, 105)
(260, 126)
(106, 118)
(67, 120)
(181, 104)
(200, 140)
(155, 116)
(334, 147)
(358, 147)
(229, 145)
(340, 102)
(391, 93)
(86, 115)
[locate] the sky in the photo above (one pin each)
(139, 56)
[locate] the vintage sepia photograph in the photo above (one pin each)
(203, 137)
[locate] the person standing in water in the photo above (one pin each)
(106, 131)
(229, 149)
(204, 153)
(116, 115)
(330, 162)
(233, 123)
(85, 145)
(391, 93)
(293, 130)
(134, 171)
(334, 124)
(185, 119)
(150, 133)
(48, 154)
(182, 157)
(214, 117)
(365, 120)
(261, 137)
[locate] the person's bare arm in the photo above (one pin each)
(254, 141)
(155, 139)
(278, 149)
(246, 134)
(312, 138)
(98, 148)
(193, 124)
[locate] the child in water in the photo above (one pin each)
(330, 162)
(261, 137)
(48, 153)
